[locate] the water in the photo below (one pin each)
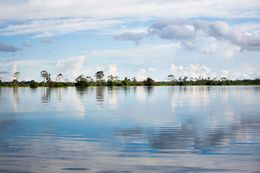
(134, 129)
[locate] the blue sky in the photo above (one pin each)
(134, 38)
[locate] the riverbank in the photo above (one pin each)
(148, 82)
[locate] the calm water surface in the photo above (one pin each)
(134, 129)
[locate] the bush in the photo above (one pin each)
(149, 82)
(34, 84)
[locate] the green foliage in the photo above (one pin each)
(82, 81)
(149, 82)
(34, 84)
(57, 84)
(99, 75)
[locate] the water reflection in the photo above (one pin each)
(112, 97)
(46, 94)
(15, 98)
(139, 129)
(100, 95)
(143, 93)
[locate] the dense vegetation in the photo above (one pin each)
(85, 81)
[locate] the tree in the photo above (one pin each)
(134, 79)
(111, 77)
(80, 78)
(48, 79)
(59, 77)
(45, 75)
(89, 78)
(16, 75)
(171, 78)
(185, 78)
(149, 82)
(81, 81)
(99, 75)
(33, 84)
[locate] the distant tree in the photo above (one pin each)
(59, 77)
(89, 78)
(126, 81)
(48, 78)
(149, 82)
(110, 77)
(134, 79)
(81, 81)
(45, 75)
(223, 79)
(33, 84)
(99, 75)
(16, 75)
(80, 78)
(116, 78)
(185, 78)
(171, 78)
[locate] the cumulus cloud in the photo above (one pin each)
(187, 31)
(246, 72)
(112, 70)
(10, 69)
(141, 74)
(130, 36)
(192, 71)
(220, 49)
(174, 31)
(72, 67)
(8, 48)
(203, 71)
(13, 68)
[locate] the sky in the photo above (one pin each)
(133, 38)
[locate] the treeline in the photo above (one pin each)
(99, 80)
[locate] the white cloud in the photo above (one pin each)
(13, 69)
(112, 70)
(187, 31)
(198, 70)
(72, 67)
(151, 69)
(220, 49)
(141, 74)
(40, 9)
(191, 70)
(50, 27)
(245, 72)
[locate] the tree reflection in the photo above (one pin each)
(112, 97)
(100, 95)
(46, 95)
(15, 98)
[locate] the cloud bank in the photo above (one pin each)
(189, 30)
(8, 48)
(40, 9)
